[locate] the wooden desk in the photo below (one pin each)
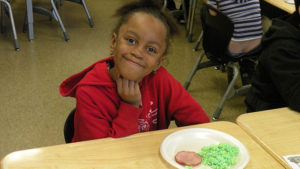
(277, 131)
(281, 4)
(136, 151)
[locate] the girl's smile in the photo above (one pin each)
(134, 63)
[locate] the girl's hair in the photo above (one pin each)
(151, 7)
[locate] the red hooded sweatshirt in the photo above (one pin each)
(101, 113)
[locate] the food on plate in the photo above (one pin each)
(219, 156)
(188, 158)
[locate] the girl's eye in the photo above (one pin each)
(152, 50)
(132, 41)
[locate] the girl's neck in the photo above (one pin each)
(111, 71)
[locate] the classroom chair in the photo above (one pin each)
(82, 2)
(69, 127)
(185, 16)
(52, 14)
(217, 33)
(6, 9)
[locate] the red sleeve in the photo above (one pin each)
(98, 117)
(182, 107)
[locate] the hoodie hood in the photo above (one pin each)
(93, 75)
(283, 28)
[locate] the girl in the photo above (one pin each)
(130, 92)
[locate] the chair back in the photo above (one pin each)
(69, 127)
(217, 33)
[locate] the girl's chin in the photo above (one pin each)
(130, 76)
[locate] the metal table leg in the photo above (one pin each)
(188, 21)
(30, 19)
(192, 10)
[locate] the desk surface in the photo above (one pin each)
(290, 8)
(136, 151)
(278, 131)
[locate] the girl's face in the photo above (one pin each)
(139, 46)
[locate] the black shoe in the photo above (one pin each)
(246, 79)
(247, 70)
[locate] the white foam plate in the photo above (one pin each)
(290, 1)
(193, 139)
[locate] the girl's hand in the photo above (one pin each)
(129, 91)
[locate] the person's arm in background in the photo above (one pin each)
(212, 3)
(283, 65)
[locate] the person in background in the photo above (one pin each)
(277, 79)
(178, 13)
(170, 4)
(131, 92)
(246, 18)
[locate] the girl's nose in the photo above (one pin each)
(137, 52)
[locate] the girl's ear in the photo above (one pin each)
(113, 43)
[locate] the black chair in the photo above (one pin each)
(217, 33)
(69, 127)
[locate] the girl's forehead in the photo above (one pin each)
(147, 17)
(146, 23)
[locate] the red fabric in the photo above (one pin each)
(100, 112)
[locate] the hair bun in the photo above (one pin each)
(140, 4)
(151, 7)
(151, 3)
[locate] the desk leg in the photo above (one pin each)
(192, 9)
(30, 19)
(188, 21)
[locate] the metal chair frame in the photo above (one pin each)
(11, 17)
(82, 2)
(52, 14)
